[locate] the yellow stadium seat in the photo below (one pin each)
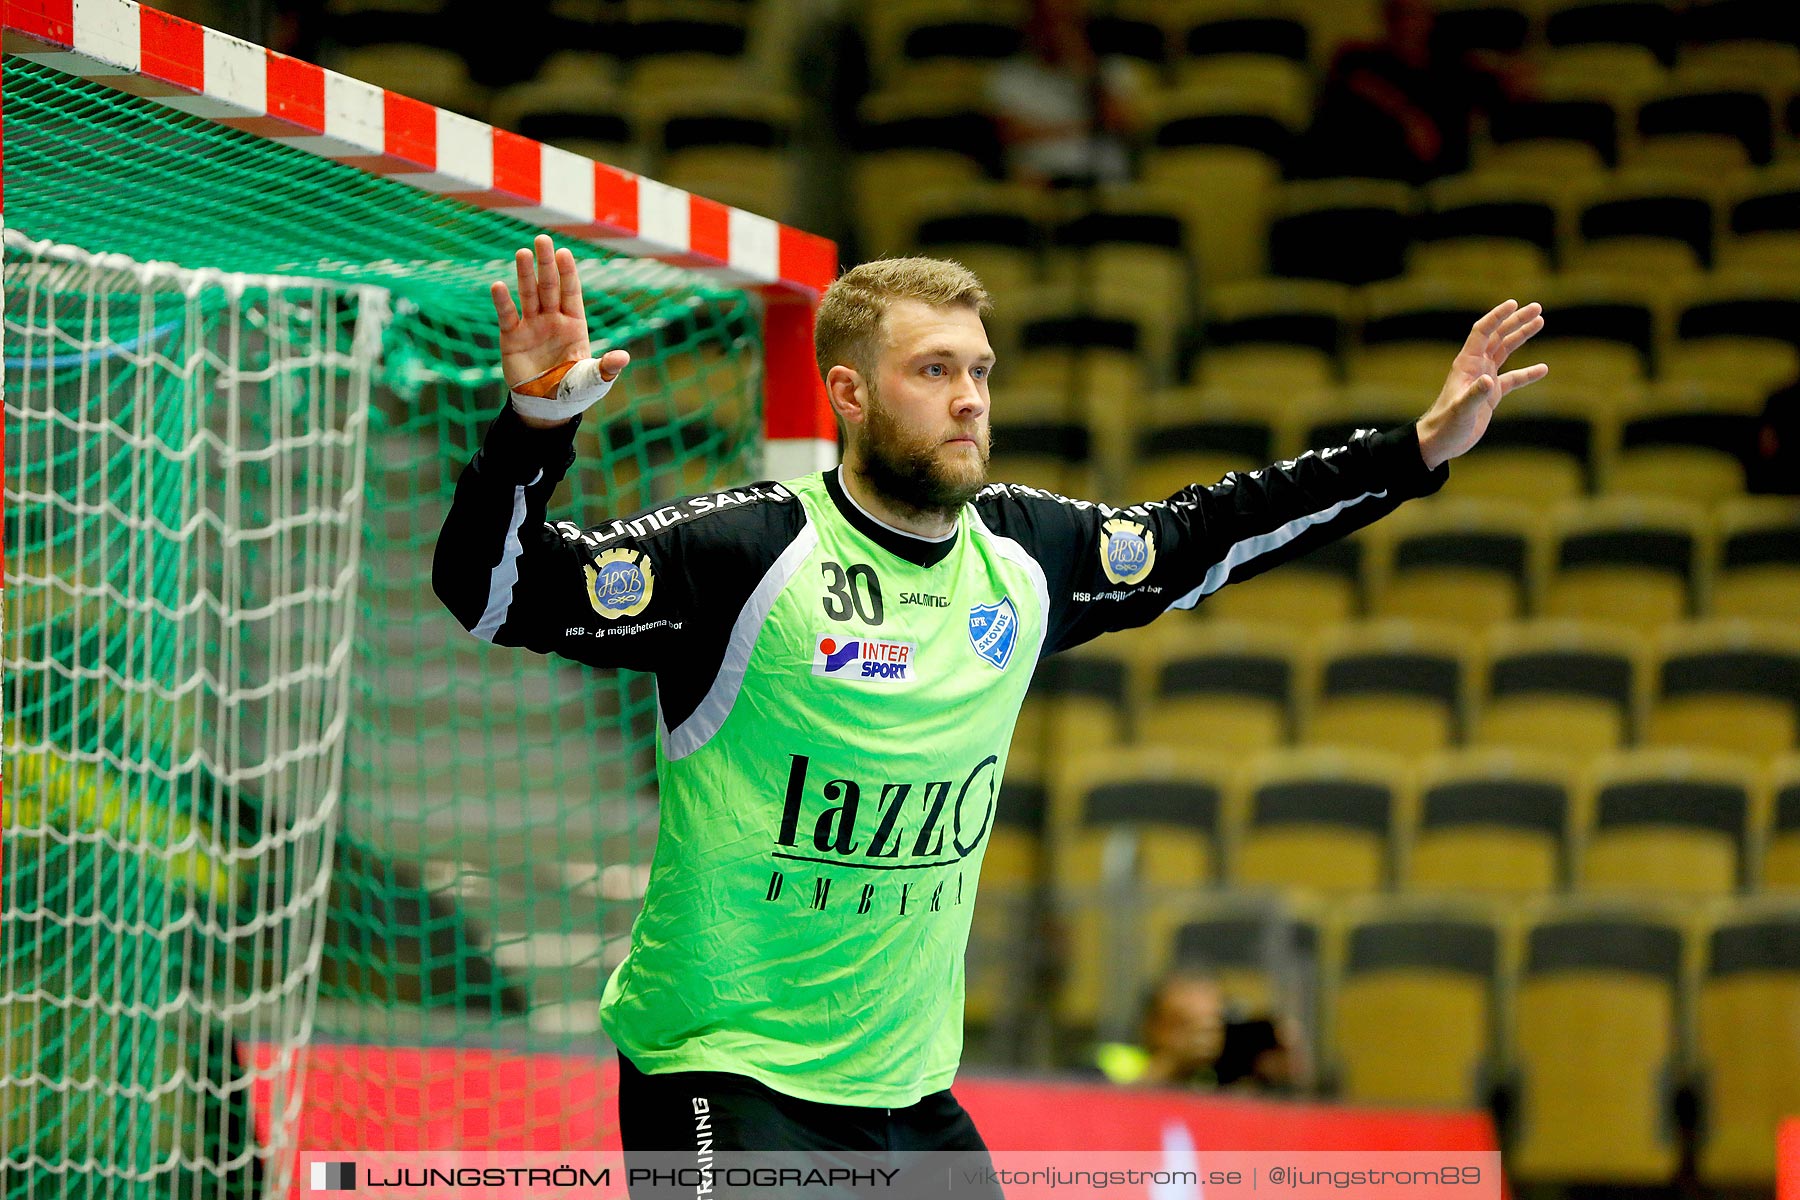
(1375, 405)
(1781, 841)
(1569, 687)
(1398, 686)
(1748, 1025)
(1410, 321)
(1273, 324)
(1731, 685)
(433, 74)
(1630, 560)
(1463, 562)
(1545, 444)
(1684, 441)
(1602, 325)
(1127, 828)
(1493, 822)
(1353, 231)
(1763, 232)
(1746, 318)
(1413, 1010)
(1198, 434)
(1077, 699)
(1011, 871)
(1668, 822)
(1596, 1040)
(1220, 685)
(1220, 145)
(1317, 820)
(1307, 594)
(1525, 212)
(1249, 420)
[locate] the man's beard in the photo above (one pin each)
(911, 473)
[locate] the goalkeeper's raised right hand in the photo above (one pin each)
(548, 330)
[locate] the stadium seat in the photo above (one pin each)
(1413, 1018)
(731, 147)
(1605, 328)
(1127, 829)
(1714, 130)
(1630, 560)
(1731, 685)
(1129, 262)
(1646, 219)
(1667, 822)
(1044, 451)
(1545, 444)
(1222, 145)
(1457, 561)
(1078, 699)
(1645, 24)
(1553, 138)
(1571, 687)
(1308, 593)
(1224, 686)
(1781, 844)
(1251, 418)
(1736, 21)
(996, 230)
(1687, 441)
(1596, 1037)
(1750, 320)
(925, 44)
(1491, 822)
(1406, 318)
(572, 105)
(1491, 25)
(1195, 434)
(1259, 49)
(1747, 1021)
(1099, 356)
(908, 148)
(676, 53)
(1352, 231)
(1491, 229)
(1301, 321)
(1376, 404)
(1394, 685)
(1317, 820)
(428, 73)
(1764, 221)
(1757, 568)
(1005, 922)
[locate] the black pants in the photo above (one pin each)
(743, 1138)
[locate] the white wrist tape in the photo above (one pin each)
(562, 392)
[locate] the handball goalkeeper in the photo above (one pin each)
(839, 662)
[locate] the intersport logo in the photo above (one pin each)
(862, 658)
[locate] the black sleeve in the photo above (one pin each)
(659, 588)
(1115, 568)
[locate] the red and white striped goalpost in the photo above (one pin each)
(225, 79)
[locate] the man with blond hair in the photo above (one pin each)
(839, 662)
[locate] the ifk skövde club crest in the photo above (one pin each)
(994, 630)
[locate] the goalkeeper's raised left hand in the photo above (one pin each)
(1475, 385)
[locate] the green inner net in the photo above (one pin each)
(497, 808)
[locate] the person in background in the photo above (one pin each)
(1402, 108)
(1063, 114)
(1187, 1041)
